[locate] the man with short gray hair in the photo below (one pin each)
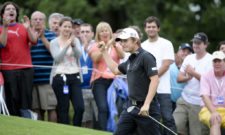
(43, 95)
(53, 22)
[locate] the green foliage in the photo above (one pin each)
(178, 22)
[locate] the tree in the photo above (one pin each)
(179, 19)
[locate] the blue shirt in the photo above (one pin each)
(176, 88)
(86, 65)
(41, 56)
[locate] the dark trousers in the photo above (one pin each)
(75, 95)
(100, 87)
(166, 113)
(18, 89)
(130, 122)
(174, 105)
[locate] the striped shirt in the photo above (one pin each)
(41, 56)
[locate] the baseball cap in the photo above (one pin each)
(218, 55)
(186, 46)
(78, 21)
(200, 37)
(127, 33)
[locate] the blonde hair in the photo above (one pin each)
(100, 27)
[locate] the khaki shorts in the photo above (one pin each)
(44, 97)
(205, 115)
(90, 107)
(186, 118)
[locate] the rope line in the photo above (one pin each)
(44, 66)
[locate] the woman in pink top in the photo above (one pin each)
(102, 77)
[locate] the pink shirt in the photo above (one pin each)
(213, 88)
(100, 68)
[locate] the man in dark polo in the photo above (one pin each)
(142, 77)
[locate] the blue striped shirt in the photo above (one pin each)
(41, 56)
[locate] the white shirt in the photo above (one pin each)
(162, 49)
(191, 91)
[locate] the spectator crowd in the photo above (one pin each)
(47, 69)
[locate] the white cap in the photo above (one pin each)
(127, 33)
(218, 55)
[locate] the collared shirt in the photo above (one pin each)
(210, 86)
(139, 67)
(41, 56)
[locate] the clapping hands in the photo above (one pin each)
(70, 41)
(26, 22)
(102, 46)
(189, 71)
(6, 21)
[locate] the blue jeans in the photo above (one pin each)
(166, 113)
(130, 122)
(100, 87)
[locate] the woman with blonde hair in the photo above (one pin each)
(102, 77)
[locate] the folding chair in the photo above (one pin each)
(3, 107)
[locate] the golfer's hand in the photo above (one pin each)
(144, 110)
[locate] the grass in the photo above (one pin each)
(10, 125)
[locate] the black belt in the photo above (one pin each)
(136, 103)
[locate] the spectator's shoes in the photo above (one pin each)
(34, 115)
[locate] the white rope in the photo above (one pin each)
(44, 66)
(3, 107)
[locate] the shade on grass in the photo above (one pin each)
(21, 126)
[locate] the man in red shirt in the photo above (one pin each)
(16, 60)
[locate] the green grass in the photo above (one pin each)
(21, 126)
